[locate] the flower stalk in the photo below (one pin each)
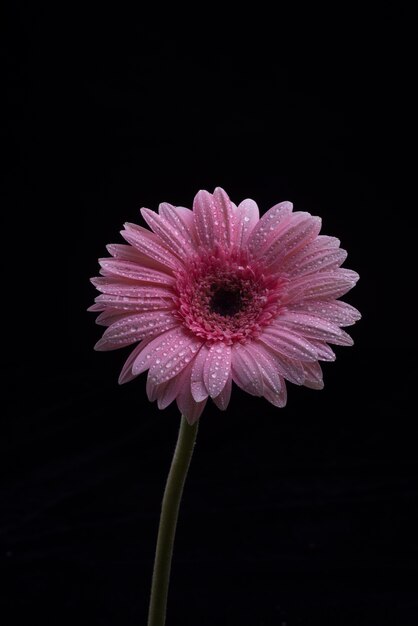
(168, 521)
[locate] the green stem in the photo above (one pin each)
(168, 522)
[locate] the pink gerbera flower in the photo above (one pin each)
(217, 295)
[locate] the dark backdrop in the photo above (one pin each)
(293, 517)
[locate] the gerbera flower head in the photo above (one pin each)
(217, 295)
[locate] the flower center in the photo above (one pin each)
(226, 298)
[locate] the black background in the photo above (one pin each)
(293, 517)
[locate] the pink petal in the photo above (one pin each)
(126, 252)
(267, 366)
(95, 308)
(224, 397)
(124, 303)
(291, 369)
(213, 218)
(247, 216)
(198, 388)
(296, 232)
(313, 376)
(133, 328)
(188, 407)
(204, 208)
(181, 219)
(168, 234)
(177, 350)
(312, 327)
(245, 371)
(108, 317)
(277, 399)
(126, 374)
(225, 217)
(148, 244)
(263, 232)
(284, 341)
(116, 287)
(152, 350)
(324, 352)
(134, 271)
(217, 368)
(164, 393)
(152, 389)
(313, 259)
(337, 312)
(324, 285)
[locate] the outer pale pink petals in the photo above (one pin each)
(321, 286)
(337, 312)
(225, 217)
(213, 218)
(263, 232)
(217, 368)
(148, 244)
(245, 371)
(107, 315)
(124, 252)
(277, 399)
(324, 352)
(167, 354)
(138, 303)
(291, 369)
(116, 287)
(165, 393)
(169, 235)
(314, 259)
(313, 376)
(187, 405)
(274, 387)
(126, 374)
(198, 387)
(267, 366)
(294, 233)
(224, 397)
(247, 216)
(133, 271)
(133, 328)
(312, 327)
(288, 343)
(181, 219)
